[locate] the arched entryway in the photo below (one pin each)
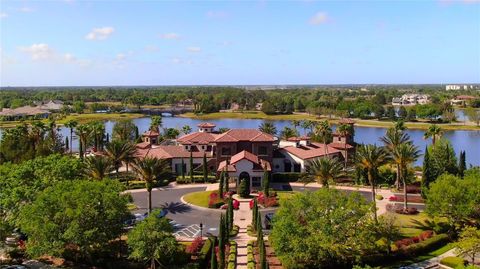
(244, 176)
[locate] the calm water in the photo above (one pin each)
(461, 140)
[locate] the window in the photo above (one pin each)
(256, 182)
(226, 151)
(262, 150)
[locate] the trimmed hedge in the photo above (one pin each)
(140, 184)
(427, 245)
(234, 230)
(453, 262)
(251, 264)
(196, 179)
(286, 177)
(205, 253)
(232, 256)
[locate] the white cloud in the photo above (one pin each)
(68, 57)
(173, 36)
(319, 18)
(26, 9)
(120, 57)
(217, 14)
(194, 49)
(176, 60)
(3, 15)
(100, 33)
(39, 51)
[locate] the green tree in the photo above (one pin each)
(473, 115)
(244, 188)
(221, 182)
(221, 242)
(411, 114)
(393, 138)
(83, 132)
(403, 156)
(182, 169)
(323, 134)
(171, 133)
(156, 123)
(325, 170)
(190, 173)
(370, 158)
(402, 113)
(324, 229)
(268, 127)
(230, 215)
(84, 214)
(124, 130)
(97, 129)
(152, 241)
(186, 129)
(456, 199)
(213, 258)
(97, 167)
(462, 165)
(254, 213)
(288, 132)
(428, 173)
(71, 124)
(346, 130)
(434, 132)
(150, 170)
(391, 113)
(117, 152)
(443, 158)
(266, 182)
(468, 244)
(205, 167)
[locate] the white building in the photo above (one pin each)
(411, 99)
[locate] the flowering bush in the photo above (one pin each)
(236, 204)
(266, 201)
(214, 200)
(403, 243)
(228, 194)
(251, 203)
(392, 198)
(196, 245)
(425, 235)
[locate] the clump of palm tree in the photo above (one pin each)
(156, 123)
(345, 130)
(393, 138)
(268, 127)
(325, 170)
(71, 124)
(118, 152)
(370, 158)
(97, 167)
(150, 170)
(435, 132)
(83, 132)
(288, 132)
(323, 134)
(403, 156)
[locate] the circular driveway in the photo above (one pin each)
(186, 218)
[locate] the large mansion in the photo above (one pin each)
(242, 153)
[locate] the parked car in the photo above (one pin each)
(268, 220)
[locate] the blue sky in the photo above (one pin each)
(67, 43)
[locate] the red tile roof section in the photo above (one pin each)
(198, 138)
(253, 135)
(169, 152)
(206, 125)
(151, 133)
(258, 164)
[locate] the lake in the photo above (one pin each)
(461, 140)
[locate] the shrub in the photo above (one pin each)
(204, 253)
(427, 245)
(214, 200)
(453, 262)
(236, 204)
(425, 235)
(234, 231)
(379, 197)
(244, 189)
(286, 177)
(195, 247)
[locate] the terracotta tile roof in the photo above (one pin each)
(143, 145)
(346, 121)
(253, 135)
(169, 152)
(298, 138)
(206, 125)
(151, 133)
(314, 150)
(197, 138)
(258, 164)
(339, 145)
(465, 97)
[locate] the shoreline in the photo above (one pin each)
(358, 122)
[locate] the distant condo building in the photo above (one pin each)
(411, 99)
(460, 87)
(243, 153)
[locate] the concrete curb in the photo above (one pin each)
(201, 207)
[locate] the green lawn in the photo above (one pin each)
(284, 195)
(199, 198)
(410, 225)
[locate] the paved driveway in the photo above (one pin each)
(186, 219)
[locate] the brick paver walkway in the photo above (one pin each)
(242, 218)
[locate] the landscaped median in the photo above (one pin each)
(200, 198)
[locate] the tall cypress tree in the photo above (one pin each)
(428, 173)
(230, 215)
(67, 144)
(254, 214)
(205, 168)
(191, 167)
(221, 242)
(225, 180)
(462, 165)
(182, 169)
(266, 182)
(220, 184)
(213, 259)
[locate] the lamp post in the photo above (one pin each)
(201, 230)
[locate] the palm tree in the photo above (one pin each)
(71, 124)
(97, 167)
(288, 132)
(392, 139)
(308, 125)
(156, 123)
(268, 127)
(370, 158)
(404, 155)
(295, 123)
(186, 129)
(323, 134)
(149, 170)
(37, 133)
(325, 170)
(345, 130)
(116, 152)
(434, 131)
(98, 131)
(124, 130)
(83, 132)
